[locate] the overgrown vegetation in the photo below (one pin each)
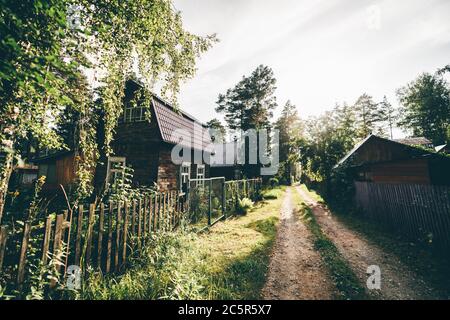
(228, 262)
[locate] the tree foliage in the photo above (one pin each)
(250, 104)
(426, 107)
(58, 56)
(290, 131)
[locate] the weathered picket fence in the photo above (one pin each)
(100, 236)
(104, 235)
(416, 211)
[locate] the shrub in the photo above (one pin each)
(244, 205)
(271, 194)
(273, 182)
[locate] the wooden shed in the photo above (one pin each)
(381, 160)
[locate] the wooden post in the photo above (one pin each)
(3, 238)
(90, 234)
(139, 233)
(125, 233)
(68, 235)
(57, 242)
(117, 250)
(169, 211)
(209, 203)
(144, 226)
(23, 252)
(151, 215)
(101, 222)
(78, 236)
(109, 246)
(224, 197)
(133, 218)
(46, 243)
(155, 214)
(164, 213)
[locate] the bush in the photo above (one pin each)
(273, 182)
(271, 194)
(244, 205)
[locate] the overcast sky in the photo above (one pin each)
(322, 52)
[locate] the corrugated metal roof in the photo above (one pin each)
(176, 125)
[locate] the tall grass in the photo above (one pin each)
(228, 262)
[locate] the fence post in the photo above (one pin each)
(100, 235)
(224, 197)
(209, 203)
(57, 243)
(125, 232)
(3, 238)
(117, 249)
(78, 238)
(109, 245)
(46, 243)
(23, 253)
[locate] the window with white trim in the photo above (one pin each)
(116, 168)
(201, 174)
(133, 113)
(185, 172)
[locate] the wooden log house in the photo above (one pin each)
(381, 160)
(143, 145)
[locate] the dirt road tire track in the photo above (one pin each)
(296, 271)
(398, 282)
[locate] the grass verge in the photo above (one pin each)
(421, 257)
(344, 278)
(228, 262)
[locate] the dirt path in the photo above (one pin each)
(296, 271)
(397, 280)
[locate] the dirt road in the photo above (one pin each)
(296, 271)
(397, 280)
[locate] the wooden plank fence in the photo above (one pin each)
(103, 235)
(415, 211)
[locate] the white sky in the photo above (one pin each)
(322, 52)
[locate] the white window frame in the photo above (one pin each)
(112, 171)
(200, 175)
(185, 175)
(128, 114)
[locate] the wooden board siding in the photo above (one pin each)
(406, 171)
(65, 170)
(168, 172)
(139, 143)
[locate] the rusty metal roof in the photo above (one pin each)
(177, 126)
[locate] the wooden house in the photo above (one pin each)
(145, 146)
(381, 160)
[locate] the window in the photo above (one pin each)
(134, 113)
(185, 172)
(115, 171)
(49, 171)
(201, 174)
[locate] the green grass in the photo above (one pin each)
(228, 262)
(344, 278)
(421, 257)
(272, 194)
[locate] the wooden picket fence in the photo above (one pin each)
(415, 211)
(102, 236)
